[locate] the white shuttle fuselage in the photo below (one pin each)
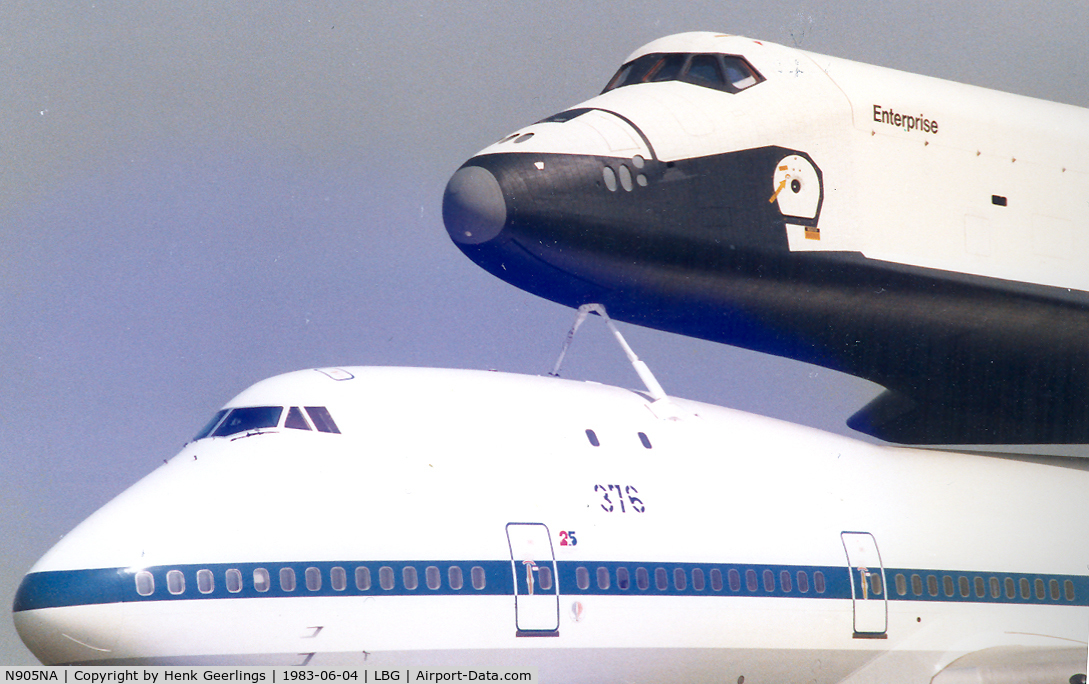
(395, 516)
(929, 236)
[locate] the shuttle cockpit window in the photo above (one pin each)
(721, 72)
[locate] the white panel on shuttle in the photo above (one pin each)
(802, 238)
(796, 187)
(620, 138)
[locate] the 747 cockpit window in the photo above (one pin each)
(211, 425)
(229, 422)
(250, 418)
(721, 72)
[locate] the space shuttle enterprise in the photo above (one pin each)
(929, 236)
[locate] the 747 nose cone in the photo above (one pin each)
(473, 207)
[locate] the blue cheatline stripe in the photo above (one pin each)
(113, 585)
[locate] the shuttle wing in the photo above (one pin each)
(1016, 665)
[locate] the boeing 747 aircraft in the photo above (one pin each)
(417, 517)
(928, 236)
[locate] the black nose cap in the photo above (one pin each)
(473, 207)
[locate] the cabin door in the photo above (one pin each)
(868, 594)
(536, 592)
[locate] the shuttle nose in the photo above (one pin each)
(473, 207)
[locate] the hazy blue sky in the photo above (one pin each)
(195, 196)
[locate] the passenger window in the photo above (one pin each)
(145, 583)
(1011, 588)
(477, 575)
(313, 579)
(965, 586)
(287, 579)
(769, 581)
(454, 578)
(784, 580)
(698, 582)
(679, 579)
(750, 580)
(1041, 591)
(175, 582)
(947, 584)
(901, 584)
(1068, 586)
(385, 578)
(433, 577)
(803, 582)
(661, 579)
(1026, 589)
(932, 585)
(205, 581)
(363, 578)
(544, 577)
(818, 581)
(996, 588)
(602, 578)
(261, 580)
(323, 421)
(1054, 586)
(338, 578)
(642, 579)
(211, 425)
(251, 418)
(233, 581)
(716, 579)
(623, 580)
(875, 584)
(295, 419)
(981, 587)
(917, 585)
(409, 578)
(582, 578)
(735, 579)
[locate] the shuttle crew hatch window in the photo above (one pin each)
(720, 72)
(249, 418)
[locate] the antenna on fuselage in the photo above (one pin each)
(653, 388)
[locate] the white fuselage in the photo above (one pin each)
(912, 165)
(929, 236)
(735, 545)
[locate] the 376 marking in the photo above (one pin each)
(609, 492)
